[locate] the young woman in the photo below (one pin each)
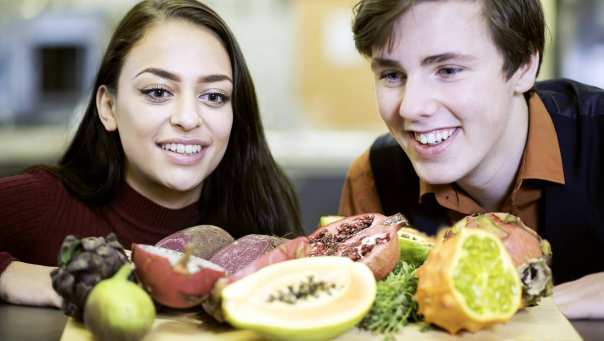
(173, 138)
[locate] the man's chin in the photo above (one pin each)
(438, 177)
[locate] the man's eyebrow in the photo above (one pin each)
(384, 62)
(171, 76)
(443, 57)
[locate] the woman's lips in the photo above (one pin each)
(184, 154)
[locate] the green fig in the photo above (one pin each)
(118, 309)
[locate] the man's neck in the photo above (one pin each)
(491, 182)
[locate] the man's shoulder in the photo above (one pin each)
(570, 98)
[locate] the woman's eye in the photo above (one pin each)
(156, 94)
(215, 98)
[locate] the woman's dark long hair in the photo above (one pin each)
(246, 193)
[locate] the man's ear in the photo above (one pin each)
(526, 75)
(105, 106)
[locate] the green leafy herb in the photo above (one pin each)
(394, 305)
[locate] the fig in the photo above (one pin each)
(204, 240)
(302, 299)
(174, 279)
(414, 245)
(368, 238)
(118, 309)
(244, 251)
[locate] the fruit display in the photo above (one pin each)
(368, 238)
(82, 264)
(172, 278)
(119, 310)
(469, 281)
(204, 240)
(531, 254)
(370, 271)
(302, 299)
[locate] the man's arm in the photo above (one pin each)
(582, 298)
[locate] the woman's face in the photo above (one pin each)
(172, 110)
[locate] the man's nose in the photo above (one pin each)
(418, 100)
(187, 114)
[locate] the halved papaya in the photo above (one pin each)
(314, 298)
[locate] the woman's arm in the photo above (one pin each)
(582, 298)
(28, 284)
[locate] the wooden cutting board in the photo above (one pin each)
(543, 322)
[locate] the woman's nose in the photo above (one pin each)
(187, 114)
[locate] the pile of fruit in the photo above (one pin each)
(370, 271)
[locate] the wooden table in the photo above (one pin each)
(21, 323)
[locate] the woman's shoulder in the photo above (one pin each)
(34, 188)
(34, 180)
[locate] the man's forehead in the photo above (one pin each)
(435, 31)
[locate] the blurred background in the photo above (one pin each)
(315, 91)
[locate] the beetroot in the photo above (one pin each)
(244, 251)
(172, 278)
(204, 240)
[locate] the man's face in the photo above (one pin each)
(443, 94)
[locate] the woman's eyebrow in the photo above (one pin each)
(172, 76)
(160, 73)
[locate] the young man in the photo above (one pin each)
(470, 131)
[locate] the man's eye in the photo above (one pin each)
(392, 78)
(449, 71)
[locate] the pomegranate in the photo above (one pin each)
(369, 238)
(172, 278)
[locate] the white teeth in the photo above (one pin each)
(182, 148)
(434, 137)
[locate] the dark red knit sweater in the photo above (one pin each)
(36, 213)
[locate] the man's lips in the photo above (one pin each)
(430, 144)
